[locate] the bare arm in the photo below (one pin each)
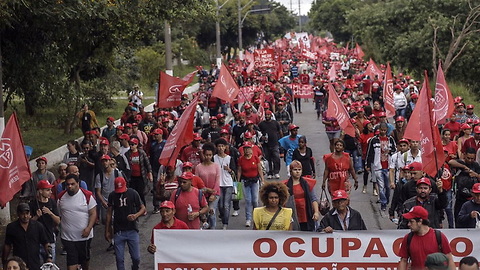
(402, 265)
(92, 217)
(108, 224)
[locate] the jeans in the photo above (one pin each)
(224, 203)
(400, 112)
(272, 155)
(133, 241)
(251, 198)
(357, 159)
(383, 186)
(448, 209)
(212, 217)
(43, 253)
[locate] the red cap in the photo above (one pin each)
(403, 141)
(197, 137)
(470, 106)
(42, 158)
(110, 118)
(120, 128)
(476, 129)
(105, 142)
(476, 121)
(268, 112)
(95, 132)
(280, 104)
(360, 93)
(106, 157)
(165, 120)
(382, 114)
(339, 194)
(425, 181)
(138, 117)
(469, 121)
(465, 126)
(476, 188)
(134, 124)
(292, 126)
(360, 110)
(44, 184)
(134, 140)
(247, 106)
(248, 144)
(220, 115)
(167, 204)
(248, 135)
(157, 131)
(186, 175)
(125, 137)
(128, 125)
(414, 96)
(400, 119)
(224, 131)
(366, 122)
(398, 87)
(415, 166)
(250, 122)
(213, 118)
(187, 165)
(120, 185)
(416, 212)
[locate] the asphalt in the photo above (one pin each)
(314, 130)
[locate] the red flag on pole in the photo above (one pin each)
(359, 51)
(337, 110)
(181, 135)
(443, 105)
(421, 128)
(226, 87)
(388, 92)
(14, 168)
(332, 73)
(170, 89)
(189, 77)
(373, 70)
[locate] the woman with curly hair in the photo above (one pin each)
(273, 216)
(15, 263)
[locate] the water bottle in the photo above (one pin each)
(189, 210)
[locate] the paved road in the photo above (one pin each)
(317, 140)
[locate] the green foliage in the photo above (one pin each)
(150, 61)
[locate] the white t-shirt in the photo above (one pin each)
(226, 179)
(74, 215)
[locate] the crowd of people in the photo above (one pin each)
(237, 152)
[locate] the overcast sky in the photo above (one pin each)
(304, 5)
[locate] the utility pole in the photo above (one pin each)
(4, 212)
(168, 49)
(299, 18)
(240, 41)
(217, 32)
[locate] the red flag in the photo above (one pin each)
(332, 73)
(388, 92)
(189, 77)
(337, 110)
(181, 135)
(226, 87)
(170, 89)
(14, 168)
(443, 106)
(373, 70)
(359, 51)
(421, 128)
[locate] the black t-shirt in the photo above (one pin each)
(124, 204)
(272, 128)
(26, 244)
(45, 219)
(464, 181)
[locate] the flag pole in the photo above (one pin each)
(430, 109)
(5, 211)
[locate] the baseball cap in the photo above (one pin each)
(128, 125)
(247, 106)
(476, 129)
(268, 112)
(157, 131)
(465, 126)
(23, 207)
(250, 122)
(382, 114)
(339, 194)
(403, 141)
(248, 144)
(292, 126)
(415, 166)
(400, 119)
(470, 106)
(125, 137)
(414, 96)
(43, 184)
(110, 118)
(248, 135)
(107, 157)
(41, 158)
(105, 142)
(416, 212)
(425, 181)
(186, 175)
(197, 137)
(437, 261)
(187, 165)
(120, 128)
(134, 140)
(167, 204)
(224, 131)
(120, 185)
(220, 115)
(476, 188)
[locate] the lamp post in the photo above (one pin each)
(168, 49)
(240, 23)
(217, 33)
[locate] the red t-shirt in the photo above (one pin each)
(470, 143)
(249, 166)
(337, 171)
(192, 155)
(181, 205)
(135, 164)
(177, 225)
(256, 150)
(421, 246)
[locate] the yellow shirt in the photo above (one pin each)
(261, 218)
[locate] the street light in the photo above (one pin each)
(266, 9)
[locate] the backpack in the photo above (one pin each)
(88, 194)
(438, 235)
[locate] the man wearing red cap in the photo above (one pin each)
(124, 208)
(29, 188)
(193, 153)
(469, 214)
(341, 217)
(453, 126)
(250, 115)
(44, 210)
(283, 117)
(395, 164)
(169, 222)
(470, 113)
(433, 203)
(110, 130)
(211, 133)
(422, 241)
(473, 142)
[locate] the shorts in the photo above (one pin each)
(333, 135)
(78, 252)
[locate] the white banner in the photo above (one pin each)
(280, 250)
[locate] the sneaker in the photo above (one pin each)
(375, 192)
(156, 211)
(277, 176)
(384, 208)
(248, 223)
(110, 248)
(364, 190)
(224, 226)
(269, 176)
(235, 213)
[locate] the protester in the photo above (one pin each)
(273, 216)
(337, 167)
(304, 154)
(29, 188)
(469, 214)
(271, 133)
(468, 263)
(141, 170)
(86, 119)
(15, 263)
(228, 169)
(341, 211)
